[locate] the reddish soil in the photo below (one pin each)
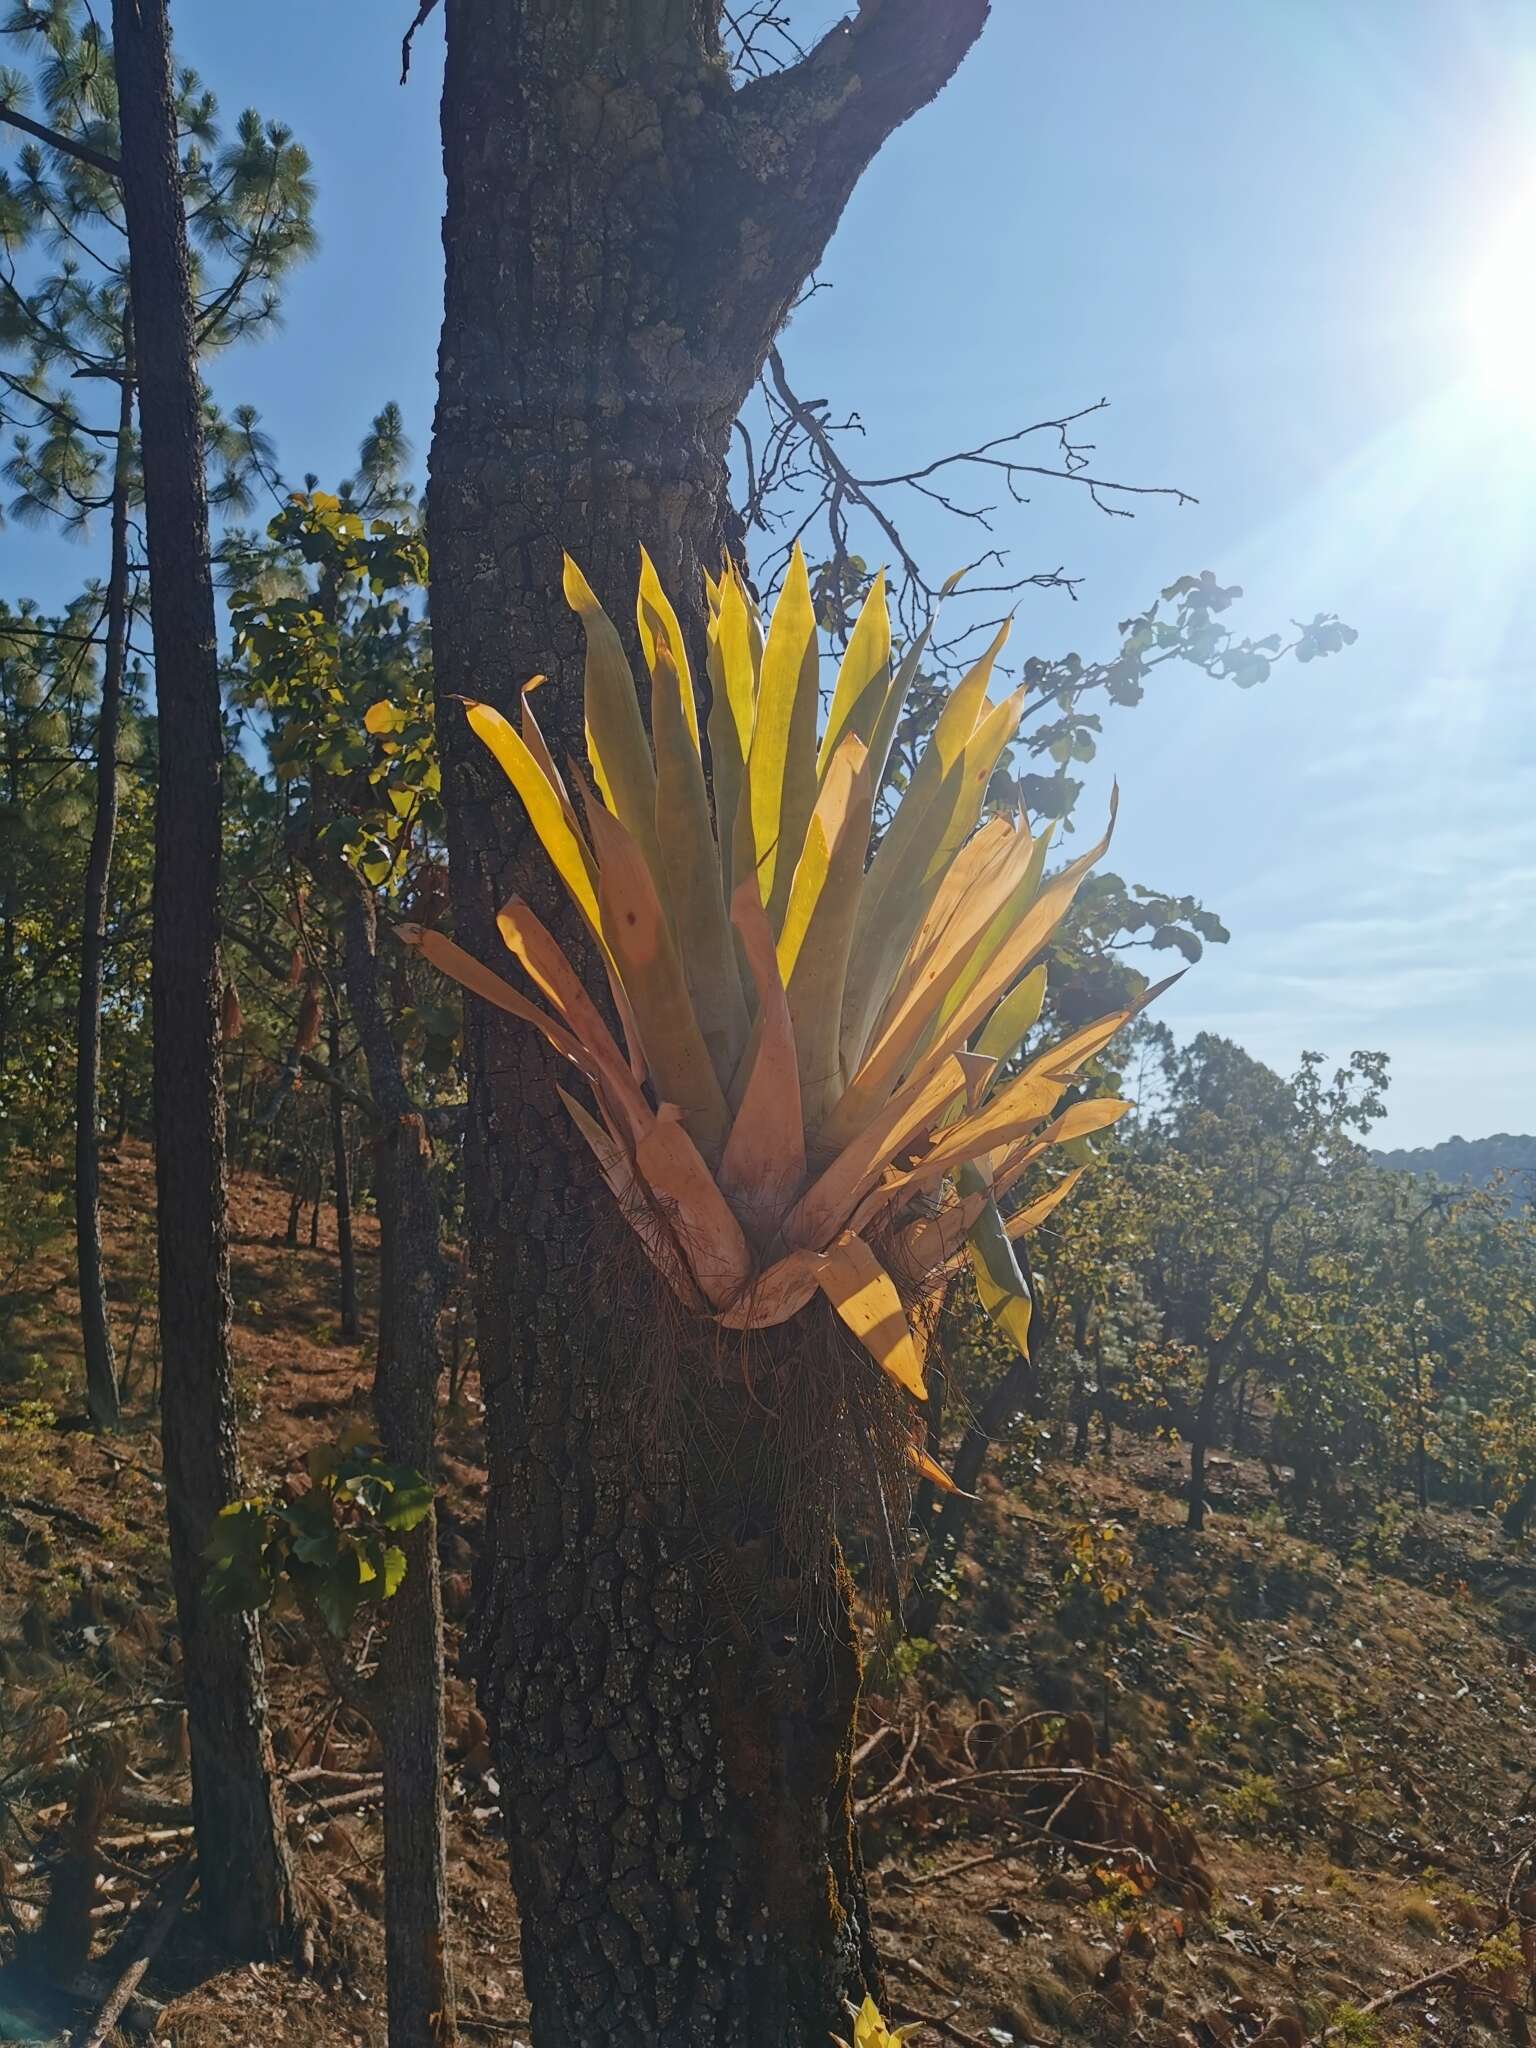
(1344, 1724)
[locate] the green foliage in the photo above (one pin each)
(1351, 2028)
(1391, 1333)
(64, 316)
(332, 648)
(332, 1545)
(48, 706)
(1253, 1803)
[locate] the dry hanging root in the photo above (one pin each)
(784, 1442)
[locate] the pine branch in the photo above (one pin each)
(65, 144)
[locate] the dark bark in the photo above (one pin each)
(101, 1392)
(244, 1878)
(1198, 1502)
(1219, 1356)
(408, 1708)
(996, 1418)
(341, 1184)
(1518, 1514)
(624, 235)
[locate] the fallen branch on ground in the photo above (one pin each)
(177, 1885)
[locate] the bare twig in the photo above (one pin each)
(802, 477)
(1444, 1975)
(178, 1883)
(31, 1504)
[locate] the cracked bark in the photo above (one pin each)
(406, 1702)
(624, 235)
(101, 1388)
(245, 1882)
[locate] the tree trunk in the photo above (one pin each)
(624, 235)
(1518, 1514)
(1218, 1357)
(1197, 1498)
(341, 1181)
(244, 1878)
(997, 1416)
(296, 1207)
(410, 1685)
(101, 1395)
(675, 1790)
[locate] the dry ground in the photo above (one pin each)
(1345, 1722)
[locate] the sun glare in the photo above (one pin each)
(1500, 315)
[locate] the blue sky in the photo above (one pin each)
(1255, 229)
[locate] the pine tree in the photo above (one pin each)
(66, 332)
(626, 230)
(245, 1880)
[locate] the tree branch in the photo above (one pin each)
(422, 13)
(65, 144)
(869, 73)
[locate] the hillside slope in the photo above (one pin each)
(1316, 1790)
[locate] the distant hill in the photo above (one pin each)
(1474, 1160)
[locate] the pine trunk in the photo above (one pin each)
(341, 1184)
(672, 1718)
(101, 1392)
(410, 1684)
(1518, 1514)
(244, 1877)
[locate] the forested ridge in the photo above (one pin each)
(1457, 1160)
(644, 1398)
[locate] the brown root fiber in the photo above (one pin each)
(790, 1441)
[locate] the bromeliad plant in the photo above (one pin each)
(819, 1089)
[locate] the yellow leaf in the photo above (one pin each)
(863, 677)
(774, 1295)
(652, 609)
(906, 1119)
(819, 921)
(1023, 941)
(927, 1245)
(763, 1165)
(1080, 1121)
(686, 837)
(921, 993)
(702, 1220)
(470, 973)
(865, 1296)
(781, 763)
(978, 1069)
(1030, 1218)
(735, 649)
(616, 743)
(546, 813)
(901, 882)
(636, 1206)
(553, 975)
(635, 929)
(533, 739)
(929, 1469)
(381, 717)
